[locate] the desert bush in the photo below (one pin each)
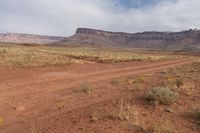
(162, 95)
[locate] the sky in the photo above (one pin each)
(63, 17)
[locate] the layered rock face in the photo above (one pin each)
(174, 41)
(177, 41)
(28, 38)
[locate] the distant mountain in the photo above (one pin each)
(176, 41)
(28, 38)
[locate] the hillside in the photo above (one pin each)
(176, 41)
(28, 38)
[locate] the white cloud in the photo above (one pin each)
(62, 17)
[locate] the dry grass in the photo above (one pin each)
(86, 88)
(114, 55)
(165, 128)
(184, 79)
(125, 112)
(115, 82)
(30, 56)
(140, 79)
(95, 117)
(1, 120)
(197, 113)
(188, 88)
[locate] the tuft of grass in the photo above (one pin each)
(95, 118)
(164, 71)
(1, 120)
(157, 129)
(140, 79)
(114, 82)
(162, 95)
(188, 87)
(179, 83)
(124, 112)
(197, 113)
(86, 88)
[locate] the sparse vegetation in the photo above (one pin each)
(118, 103)
(1, 120)
(114, 82)
(164, 71)
(197, 113)
(124, 112)
(95, 118)
(179, 82)
(60, 103)
(29, 56)
(141, 79)
(157, 129)
(162, 95)
(86, 88)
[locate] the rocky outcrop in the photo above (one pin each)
(28, 38)
(168, 36)
(177, 41)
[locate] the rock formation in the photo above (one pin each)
(28, 38)
(176, 41)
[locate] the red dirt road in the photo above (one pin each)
(41, 91)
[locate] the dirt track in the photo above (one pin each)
(39, 89)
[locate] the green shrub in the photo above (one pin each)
(162, 95)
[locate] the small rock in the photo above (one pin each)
(20, 108)
(169, 110)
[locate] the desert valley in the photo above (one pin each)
(99, 66)
(97, 82)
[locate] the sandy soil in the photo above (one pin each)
(49, 100)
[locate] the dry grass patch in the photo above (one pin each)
(86, 88)
(160, 129)
(196, 113)
(115, 82)
(188, 88)
(30, 57)
(125, 112)
(114, 55)
(1, 120)
(95, 117)
(179, 82)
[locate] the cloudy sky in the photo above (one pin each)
(62, 17)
